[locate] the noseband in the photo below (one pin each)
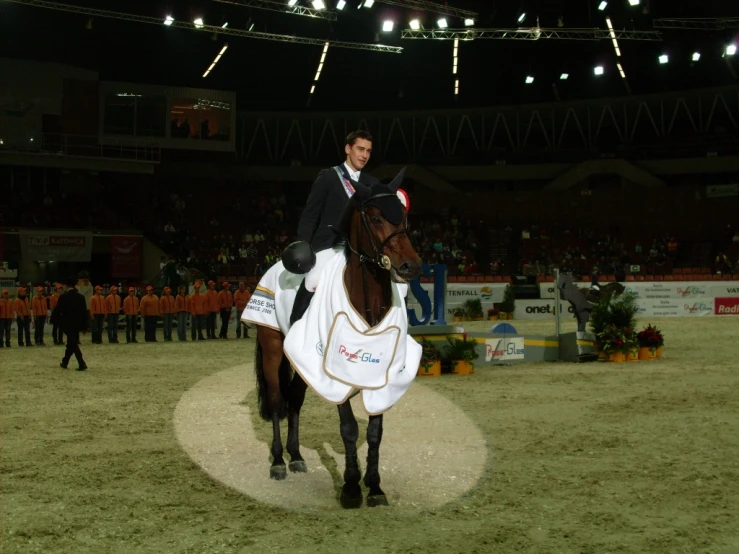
(379, 258)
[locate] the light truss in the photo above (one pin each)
(282, 7)
(534, 33)
(206, 28)
(430, 7)
(698, 24)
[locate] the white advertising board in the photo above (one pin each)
(667, 289)
(649, 307)
(458, 293)
(504, 349)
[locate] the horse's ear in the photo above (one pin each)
(395, 183)
(362, 190)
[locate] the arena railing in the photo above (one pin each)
(86, 146)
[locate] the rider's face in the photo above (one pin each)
(358, 154)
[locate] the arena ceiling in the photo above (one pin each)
(271, 75)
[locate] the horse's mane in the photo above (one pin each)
(344, 226)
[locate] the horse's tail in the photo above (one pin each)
(285, 374)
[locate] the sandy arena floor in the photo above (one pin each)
(156, 449)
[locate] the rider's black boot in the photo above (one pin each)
(302, 301)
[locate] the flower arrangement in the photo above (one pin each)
(458, 312)
(430, 352)
(473, 309)
(615, 339)
(650, 337)
(493, 312)
(461, 349)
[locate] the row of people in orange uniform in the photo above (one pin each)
(202, 310)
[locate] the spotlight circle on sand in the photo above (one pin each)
(432, 453)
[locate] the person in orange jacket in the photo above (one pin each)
(131, 309)
(22, 309)
(6, 317)
(167, 311)
(241, 298)
(40, 309)
(225, 303)
(197, 310)
(97, 311)
(56, 330)
(112, 310)
(150, 312)
(212, 309)
(182, 308)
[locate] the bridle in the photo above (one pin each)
(379, 259)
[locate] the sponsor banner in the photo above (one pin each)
(125, 256)
(56, 246)
(722, 191)
(667, 289)
(669, 307)
(458, 293)
(726, 306)
(539, 309)
(504, 349)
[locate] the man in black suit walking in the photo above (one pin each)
(72, 316)
(327, 199)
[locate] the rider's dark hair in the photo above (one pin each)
(352, 137)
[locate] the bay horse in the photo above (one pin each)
(373, 232)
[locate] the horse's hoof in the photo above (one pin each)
(377, 500)
(351, 498)
(298, 466)
(278, 473)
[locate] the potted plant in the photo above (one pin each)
(493, 314)
(508, 306)
(462, 353)
(430, 365)
(473, 309)
(614, 344)
(650, 340)
(632, 343)
(458, 314)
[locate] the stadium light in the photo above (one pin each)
(456, 88)
(731, 50)
(696, 56)
(529, 79)
(415, 24)
(633, 2)
(603, 5)
(224, 25)
(168, 20)
(522, 17)
(320, 67)
(564, 76)
(663, 59)
(340, 4)
(198, 23)
(469, 22)
(369, 3)
(387, 26)
(442, 23)
(621, 71)
(318, 5)
(598, 70)
(215, 61)
(455, 56)
(291, 3)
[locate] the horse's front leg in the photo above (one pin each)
(372, 478)
(351, 493)
(269, 360)
(295, 399)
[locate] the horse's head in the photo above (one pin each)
(376, 229)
